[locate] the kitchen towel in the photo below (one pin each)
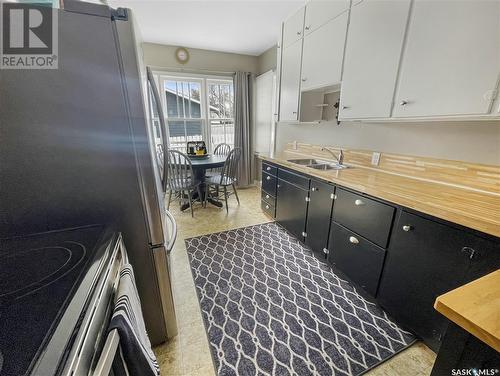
(127, 319)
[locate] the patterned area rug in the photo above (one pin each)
(271, 308)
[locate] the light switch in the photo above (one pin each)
(375, 158)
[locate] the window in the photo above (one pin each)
(221, 102)
(184, 112)
(198, 108)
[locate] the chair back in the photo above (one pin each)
(179, 171)
(230, 168)
(222, 149)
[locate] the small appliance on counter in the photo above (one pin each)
(197, 149)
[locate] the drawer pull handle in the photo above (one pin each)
(407, 228)
(268, 178)
(268, 168)
(359, 202)
(353, 240)
(267, 207)
(470, 251)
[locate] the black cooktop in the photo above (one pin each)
(38, 277)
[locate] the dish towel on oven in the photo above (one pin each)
(127, 319)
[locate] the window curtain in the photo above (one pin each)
(242, 135)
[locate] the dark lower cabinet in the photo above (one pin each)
(319, 215)
(426, 259)
(365, 216)
(291, 207)
(269, 183)
(460, 350)
(359, 259)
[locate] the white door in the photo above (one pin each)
(451, 61)
(323, 54)
(293, 28)
(319, 12)
(374, 42)
(290, 81)
(264, 112)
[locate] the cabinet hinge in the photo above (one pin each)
(304, 234)
(326, 251)
(333, 196)
(119, 14)
(308, 199)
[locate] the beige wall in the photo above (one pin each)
(267, 60)
(477, 142)
(162, 56)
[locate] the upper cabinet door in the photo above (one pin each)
(323, 54)
(373, 50)
(293, 27)
(290, 81)
(319, 12)
(451, 61)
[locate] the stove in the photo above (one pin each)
(40, 274)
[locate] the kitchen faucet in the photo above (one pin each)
(339, 158)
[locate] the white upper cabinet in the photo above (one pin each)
(323, 54)
(293, 28)
(373, 50)
(451, 61)
(290, 81)
(319, 12)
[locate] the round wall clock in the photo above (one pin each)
(182, 55)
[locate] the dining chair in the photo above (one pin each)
(221, 149)
(226, 178)
(180, 178)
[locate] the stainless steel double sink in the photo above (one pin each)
(318, 164)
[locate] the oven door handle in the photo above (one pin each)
(173, 232)
(103, 367)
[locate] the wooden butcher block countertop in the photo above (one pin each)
(473, 207)
(476, 308)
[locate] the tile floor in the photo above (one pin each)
(188, 354)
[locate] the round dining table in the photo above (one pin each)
(200, 167)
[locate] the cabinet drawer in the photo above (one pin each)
(269, 184)
(293, 178)
(367, 217)
(267, 197)
(270, 169)
(358, 258)
(268, 208)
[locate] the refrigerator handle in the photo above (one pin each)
(172, 232)
(164, 130)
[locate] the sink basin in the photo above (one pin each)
(304, 162)
(318, 165)
(328, 166)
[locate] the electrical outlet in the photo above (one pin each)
(375, 158)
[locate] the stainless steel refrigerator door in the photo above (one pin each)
(134, 81)
(162, 266)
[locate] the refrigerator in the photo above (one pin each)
(86, 144)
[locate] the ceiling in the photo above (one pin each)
(239, 26)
